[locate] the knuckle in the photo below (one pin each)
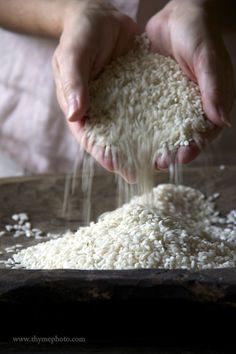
(54, 61)
(68, 87)
(61, 100)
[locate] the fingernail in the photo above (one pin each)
(73, 105)
(224, 117)
(228, 124)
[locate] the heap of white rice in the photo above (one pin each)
(182, 229)
(142, 106)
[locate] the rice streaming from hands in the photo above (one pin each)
(142, 107)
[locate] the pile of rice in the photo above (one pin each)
(182, 229)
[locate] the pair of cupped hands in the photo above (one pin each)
(96, 33)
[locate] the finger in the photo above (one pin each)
(183, 156)
(215, 85)
(73, 73)
(60, 95)
(58, 83)
(162, 162)
(104, 155)
(126, 37)
(186, 154)
(101, 154)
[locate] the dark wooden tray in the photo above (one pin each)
(42, 198)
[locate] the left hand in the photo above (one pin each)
(93, 33)
(184, 31)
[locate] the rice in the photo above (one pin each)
(143, 106)
(182, 229)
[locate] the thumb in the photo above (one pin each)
(213, 84)
(73, 77)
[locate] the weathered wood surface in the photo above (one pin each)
(42, 198)
(63, 286)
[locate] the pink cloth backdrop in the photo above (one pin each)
(32, 127)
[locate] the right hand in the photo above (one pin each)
(94, 32)
(184, 31)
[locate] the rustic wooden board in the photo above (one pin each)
(70, 286)
(42, 198)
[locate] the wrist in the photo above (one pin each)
(184, 10)
(41, 17)
(200, 7)
(78, 9)
(197, 3)
(67, 12)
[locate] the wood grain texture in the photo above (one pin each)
(42, 198)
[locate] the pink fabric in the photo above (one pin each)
(32, 127)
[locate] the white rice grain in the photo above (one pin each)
(177, 231)
(143, 106)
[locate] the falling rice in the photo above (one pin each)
(143, 106)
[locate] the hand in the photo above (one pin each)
(93, 34)
(184, 31)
